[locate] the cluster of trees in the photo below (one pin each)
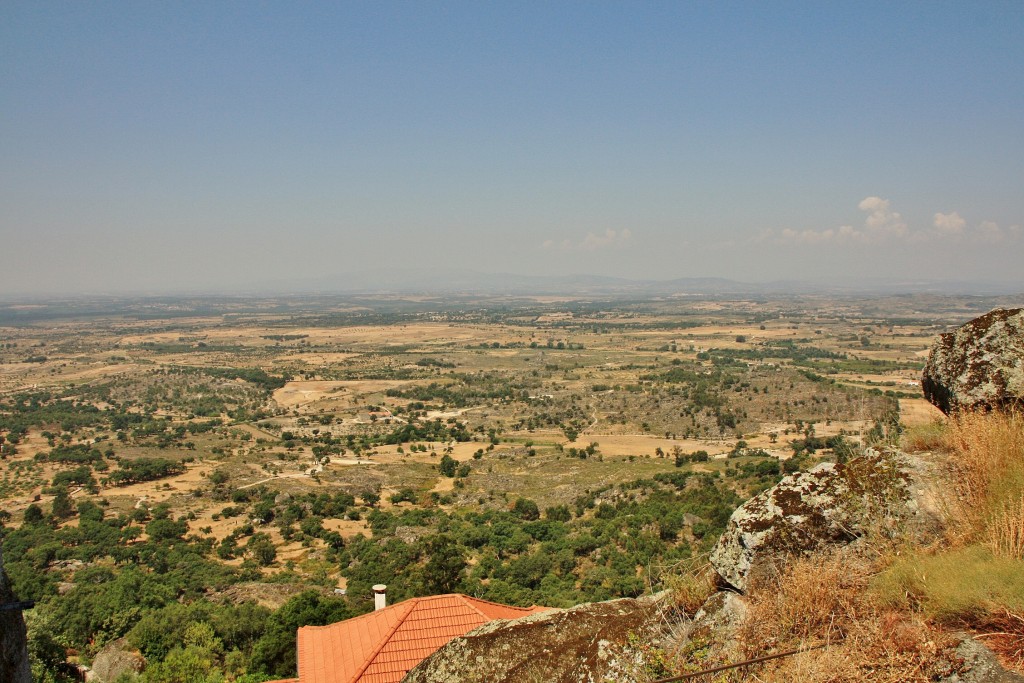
(466, 389)
(588, 451)
(255, 376)
(45, 409)
(71, 454)
(60, 418)
(154, 592)
(145, 469)
(607, 543)
(427, 430)
(428, 362)
(284, 337)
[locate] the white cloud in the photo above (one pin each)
(816, 236)
(949, 223)
(882, 224)
(609, 238)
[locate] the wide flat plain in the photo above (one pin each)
(314, 400)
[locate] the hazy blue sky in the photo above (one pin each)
(148, 146)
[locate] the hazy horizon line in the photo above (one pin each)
(412, 281)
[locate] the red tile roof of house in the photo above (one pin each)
(382, 646)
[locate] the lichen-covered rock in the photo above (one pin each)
(979, 665)
(116, 659)
(979, 365)
(829, 504)
(722, 612)
(590, 643)
(716, 624)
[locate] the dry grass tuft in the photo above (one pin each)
(887, 648)
(1006, 529)
(826, 600)
(987, 477)
(691, 587)
(1003, 632)
(886, 616)
(814, 598)
(924, 437)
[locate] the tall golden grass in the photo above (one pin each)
(888, 612)
(986, 459)
(814, 598)
(889, 607)
(977, 580)
(826, 599)
(924, 437)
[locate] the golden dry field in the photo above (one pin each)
(550, 396)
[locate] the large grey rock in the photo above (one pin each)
(716, 625)
(116, 659)
(722, 612)
(979, 665)
(979, 365)
(830, 504)
(591, 643)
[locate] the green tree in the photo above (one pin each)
(526, 509)
(62, 505)
(559, 513)
(448, 465)
(274, 652)
(443, 570)
(192, 663)
(33, 514)
(165, 530)
(261, 549)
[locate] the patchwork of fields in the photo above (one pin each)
(526, 450)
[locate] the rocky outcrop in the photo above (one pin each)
(868, 497)
(716, 623)
(979, 365)
(980, 665)
(827, 505)
(117, 659)
(14, 665)
(589, 643)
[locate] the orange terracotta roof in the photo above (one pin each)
(382, 646)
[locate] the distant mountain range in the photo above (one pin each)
(451, 282)
(464, 281)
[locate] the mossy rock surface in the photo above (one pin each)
(980, 365)
(590, 643)
(828, 505)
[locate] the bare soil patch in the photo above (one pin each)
(304, 392)
(918, 411)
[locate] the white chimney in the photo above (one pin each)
(380, 600)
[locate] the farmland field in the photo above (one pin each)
(252, 454)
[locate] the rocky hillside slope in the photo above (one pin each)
(792, 570)
(810, 515)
